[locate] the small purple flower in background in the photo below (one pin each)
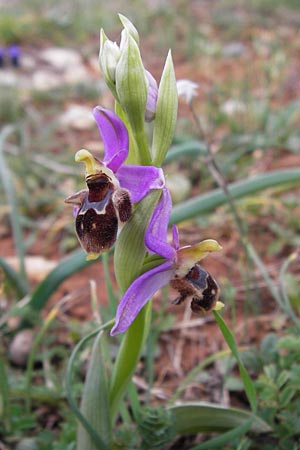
(1, 57)
(180, 269)
(14, 54)
(112, 186)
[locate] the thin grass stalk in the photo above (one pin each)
(30, 364)
(11, 198)
(285, 301)
(195, 372)
(249, 250)
(5, 407)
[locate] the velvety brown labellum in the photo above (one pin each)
(198, 285)
(102, 207)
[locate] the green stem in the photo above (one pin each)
(128, 357)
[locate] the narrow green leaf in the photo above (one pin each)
(97, 440)
(202, 417)
(184, 149)
(14, 278)
(94, 403)
(248, 384)
(211, 200)
(5, 407)
(219, 441)
(9, 189)
(66, 267)
(166, 113)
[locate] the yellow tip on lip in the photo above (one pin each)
(91, 164)
(200, 250)
(91, 256)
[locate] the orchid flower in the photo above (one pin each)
(112, 186)
(180, 268)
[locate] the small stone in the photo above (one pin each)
(234, 49)
(28, 62)
(76, 74)
(61, 58)
(27, 444)
(20, 347)
(78, 117)
(233, 106)
(8, 79)
(179, 186)
(44, 80)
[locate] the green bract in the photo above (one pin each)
(166, 113)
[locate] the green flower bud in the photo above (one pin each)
(130, 28)
(132, 90)
(108, 59)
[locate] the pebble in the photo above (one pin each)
(234, 49)
(78, 117)
(179, 186)
(20, 347)
(61, 58)
(8, 78)
(44, 80)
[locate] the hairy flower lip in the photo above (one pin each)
(135, 180)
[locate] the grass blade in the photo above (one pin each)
(97, 440)
(15, 279)
(6, 177)
(94, 403)
(219, 441)
(202, 417)
(67, 267)
(211, 200)
(248, 384)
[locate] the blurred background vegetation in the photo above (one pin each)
(245, 57)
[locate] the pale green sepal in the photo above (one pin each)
(202, 417)
(130, 249)
(166, 113)
(130, 28)
(95, 401)
(131, 86)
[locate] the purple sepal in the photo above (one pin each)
(140, 179)
(139, 293)
(114, 135)
(156, 237)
